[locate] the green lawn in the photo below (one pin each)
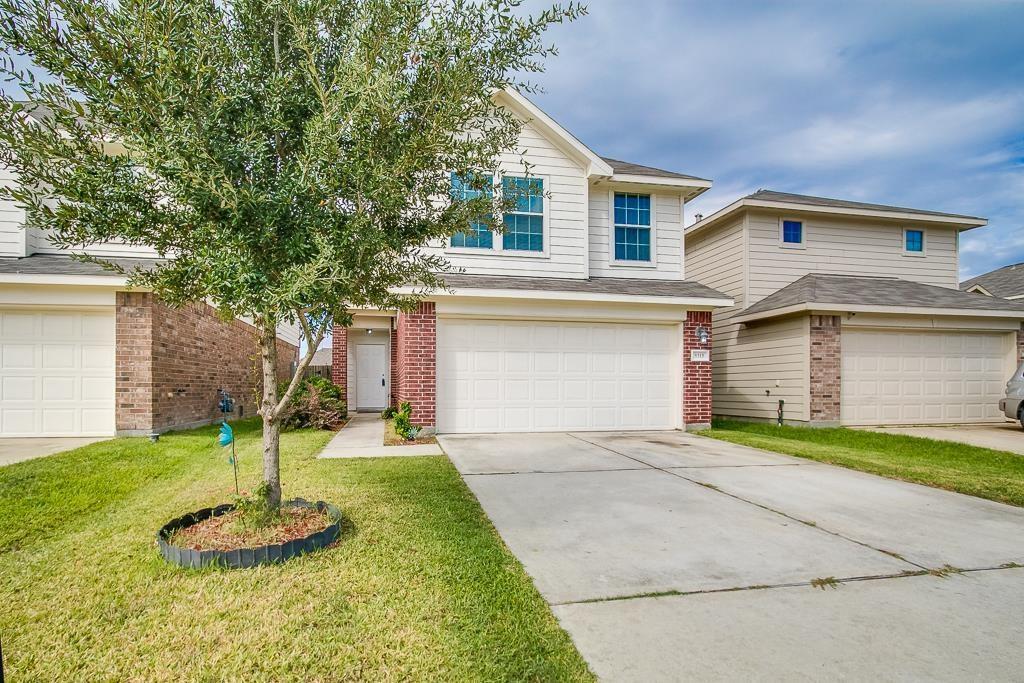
(420, 588)
(981, 472)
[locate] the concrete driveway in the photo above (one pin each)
(1004, 436)
(15, 449)
(668, 556)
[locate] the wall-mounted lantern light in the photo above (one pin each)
(703, 336)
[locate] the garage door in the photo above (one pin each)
(518, 376)
(893, 377)
(56, 373)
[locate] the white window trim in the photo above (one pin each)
(802, 244)
(498, 250)
(924, 243)
(616, 263)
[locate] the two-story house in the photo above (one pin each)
(578, 315)
(81, 354)
(849, 313)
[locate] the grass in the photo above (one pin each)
(419, 588)
(982, 472)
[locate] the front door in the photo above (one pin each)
(371, 373)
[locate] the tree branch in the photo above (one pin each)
(314, 340)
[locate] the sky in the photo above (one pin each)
(916, 103)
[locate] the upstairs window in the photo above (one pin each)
(913, 241)
(524, 225)
(479, 235)
(793, 232)
(632, 227)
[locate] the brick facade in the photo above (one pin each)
(696, 374)
(826, 368)
(339, 356)
(171, 362)
(415, 374)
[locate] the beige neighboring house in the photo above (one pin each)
(1006, 283)
(849, 313)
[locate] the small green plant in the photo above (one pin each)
(403, 423)
(253, 511)
(388, 413)
(826, 582)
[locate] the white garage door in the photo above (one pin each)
(895, 377)
(518, 376)
(56, 373)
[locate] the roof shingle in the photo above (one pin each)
(883, 292)
(1003, 282)
(594, 285)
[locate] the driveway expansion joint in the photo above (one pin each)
(674, 473)
(813, 583)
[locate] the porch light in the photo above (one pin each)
(369, 331)
(702, 334)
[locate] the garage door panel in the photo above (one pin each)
(57, 373)
(940, 376)
(555, 376)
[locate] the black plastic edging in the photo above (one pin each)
(245, 558)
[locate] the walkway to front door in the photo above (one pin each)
(668, 556)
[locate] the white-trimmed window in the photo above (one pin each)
(524, 225)
(632, 228)
(913, 241)
(792, 233)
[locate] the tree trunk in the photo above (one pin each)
(271, 423)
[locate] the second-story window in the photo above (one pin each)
(913, 241)
(479, 234)
(792, 233)
(524, 225)
(632, 227)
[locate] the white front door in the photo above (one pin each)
(371, 376)
(524, 376)
(56, 373)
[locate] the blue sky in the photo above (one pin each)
(916, 103)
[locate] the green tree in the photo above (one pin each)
(290, 158)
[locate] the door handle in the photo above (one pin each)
(382, 380)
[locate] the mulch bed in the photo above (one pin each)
(393, 439)
(225, 533)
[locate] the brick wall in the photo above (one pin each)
(171, 362)
(416, 374)
(696, 374)
(339, 357)
(393, 379)
(826, 368)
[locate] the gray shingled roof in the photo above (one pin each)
(637, 169)
(1005, 282)
(45, 264)
(594, 285)
(773, 196)
(883, 292)
(323, 356)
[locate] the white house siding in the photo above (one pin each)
(39, 243)
(845, 246)
(566, 202)
(12, 221)
(756, 365)
(668, 230)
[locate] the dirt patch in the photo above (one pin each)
(226, 532)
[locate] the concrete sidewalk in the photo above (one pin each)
(363, 437)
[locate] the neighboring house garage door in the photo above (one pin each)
(56, 373)
(897, 377)
(519, 376)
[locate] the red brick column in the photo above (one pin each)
(826, 368)
(417, 362)
(1020, 344)
(696, 373)
(133, 377)
(339, 356)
